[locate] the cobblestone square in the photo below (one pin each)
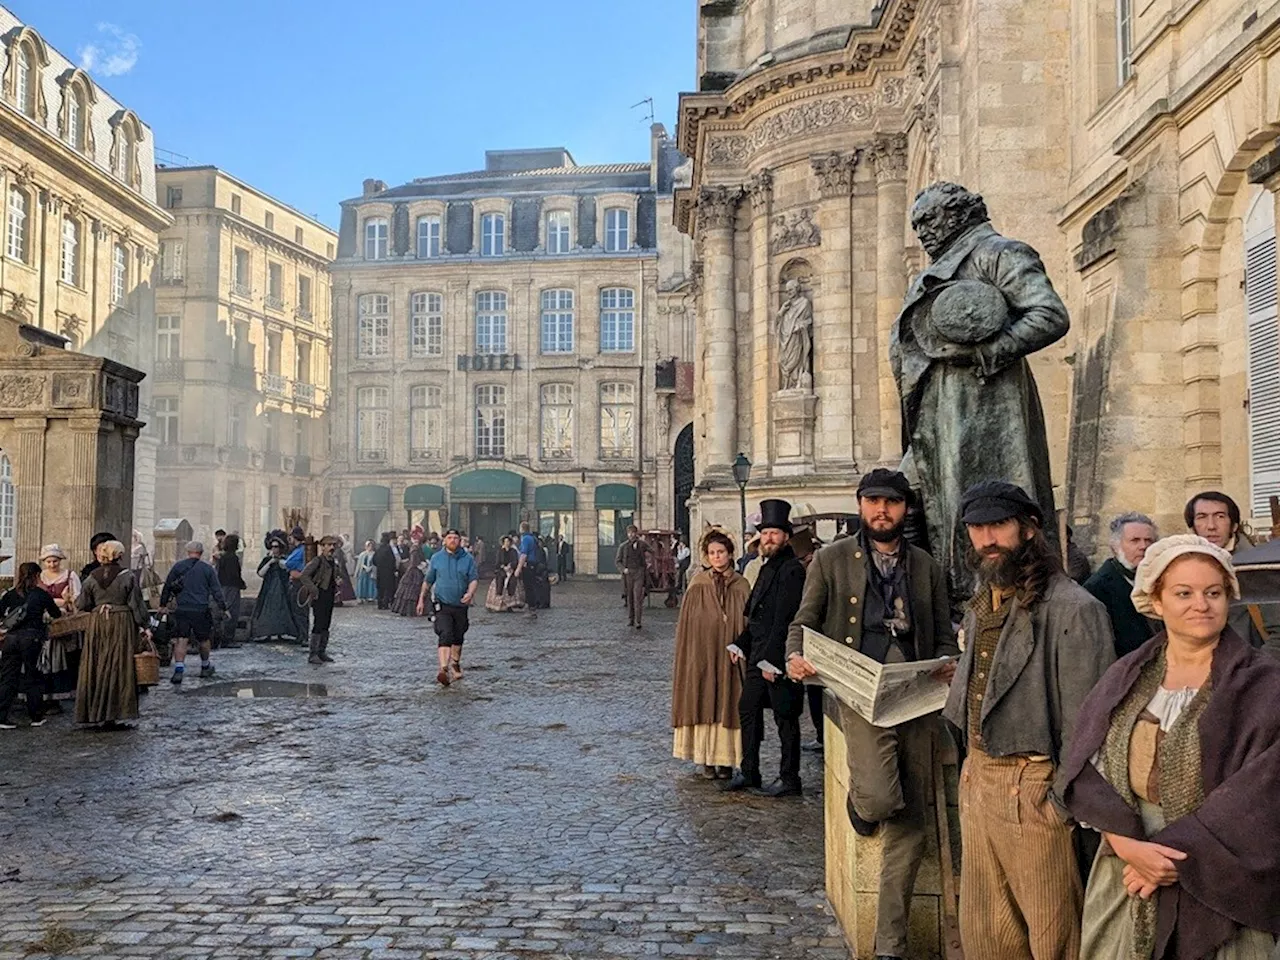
(533, 810)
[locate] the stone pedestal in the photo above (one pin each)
(172, 537)
(793, 420)
(853, 862)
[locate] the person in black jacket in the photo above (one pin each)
(386, 563)
(231, 579)
(1131, 534)
(772, 606)
(22, 642)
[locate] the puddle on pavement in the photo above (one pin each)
(265, 689)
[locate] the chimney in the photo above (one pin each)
(373, 186)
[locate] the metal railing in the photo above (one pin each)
(304, 392)
(272, 303)
(275, 384)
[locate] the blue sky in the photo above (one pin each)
(305, 98)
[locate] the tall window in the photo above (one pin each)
(426, 423)
(172, 197)
(1124, 38)
(617, 421)
(557, 321)
(617, 320)
(126, 147)
(557, 421)
(373, 422)
(493, 235)
(428, 237)
(275, 347)
(617, 229)
(302, 437)
(558, 224)
(374, 333)
(271, 422)
(70, 271)
(167, 419)
(491, 421)
(426, 325)
(302, 362)
(168, 338)
(240, 272)
(16, 243)
(74, 132)
(171, 252)
(275, 285)
(375, 238)
(491, 322)
(24, 89)
(119, 273)
(269, 220)
(8, 499)
(304, 295)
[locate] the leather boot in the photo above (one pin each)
(315, 649)
(324, 647)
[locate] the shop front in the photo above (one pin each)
(371, 504)
(486, 503)
(424, 506)
(615, 511)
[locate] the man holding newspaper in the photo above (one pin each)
(886, 599)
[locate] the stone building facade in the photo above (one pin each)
(510, 345)
(243, 355)
(1130, 144)
(80, 232)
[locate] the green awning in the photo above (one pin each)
(371, 497)
(555, 496)
(615, 496)
(423, 496)
(487, 486)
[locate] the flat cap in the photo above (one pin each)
(882, 482)
(992, 501)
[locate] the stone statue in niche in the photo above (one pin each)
(795, 338)
(959, 348)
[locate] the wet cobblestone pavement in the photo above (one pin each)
(531, 811)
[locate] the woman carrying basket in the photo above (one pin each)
(107, 693)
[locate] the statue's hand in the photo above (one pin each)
(958, 354)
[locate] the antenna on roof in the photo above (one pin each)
(647, 101)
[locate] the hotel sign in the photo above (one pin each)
(489, 361)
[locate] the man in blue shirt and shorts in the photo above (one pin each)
(453, 576)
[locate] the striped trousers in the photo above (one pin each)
(1020, 891)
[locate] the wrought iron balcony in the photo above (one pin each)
(302, 314)
(273, 384)
(304, 392)
(241, 290)
(272, 303)
(169, 370)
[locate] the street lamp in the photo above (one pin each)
(741, 474)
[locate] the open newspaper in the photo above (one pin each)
(883, 694)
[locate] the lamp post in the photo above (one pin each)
(742, 473)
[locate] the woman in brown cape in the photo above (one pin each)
(706, 684)
(107, 692)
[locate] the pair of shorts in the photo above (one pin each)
(451, 625)
(193, 625)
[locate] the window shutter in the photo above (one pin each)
(1264, 371)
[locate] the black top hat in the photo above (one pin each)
(776, 514)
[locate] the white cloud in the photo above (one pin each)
(114, 54)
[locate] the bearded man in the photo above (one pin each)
(887, 599)
(970, 408)
(1037, 643)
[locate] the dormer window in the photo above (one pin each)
(375, 238)
(124, 149)
(617, 229)
(24, 86)
(28, 57)
(493, 235)
(558, 226)
(74, 132)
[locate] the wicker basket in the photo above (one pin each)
(70, 623)
(146, 666)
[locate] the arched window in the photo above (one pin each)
(126, 150)
(70, 265)
(557, 321)
(74, 132)
(8, 499)
(375, 238)
(557, 421)
(16, 224)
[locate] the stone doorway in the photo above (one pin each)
(683, 471)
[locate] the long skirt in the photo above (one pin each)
(406, 600)
(506, 593)
(366, 586)
(107, 690)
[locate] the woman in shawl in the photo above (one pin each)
(107, 691)
(406, 598)
(706, 683)
(506, 592)
(275, 615)
(366, 583)
(60, 656)
(1175, 759)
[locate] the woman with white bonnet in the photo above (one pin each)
(1175, 760)
(60, 657)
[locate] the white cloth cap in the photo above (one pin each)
(1162, 553)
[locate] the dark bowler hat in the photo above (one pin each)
(994, 500)
(882, 482)
(775, 514)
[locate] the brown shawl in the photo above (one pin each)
(706, 684)
(1231, 877)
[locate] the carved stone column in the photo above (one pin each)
(760, 195)
(28, 481)
(82, 484)
(717, 209)
(889, 158)
(833, 310)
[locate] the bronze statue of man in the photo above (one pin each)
(970, 408)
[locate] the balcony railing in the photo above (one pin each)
(241, 290)
(304, 392)
(302, 314)
(169, 370)
(275, 385)
(272, 303)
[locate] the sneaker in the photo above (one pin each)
(39, 723)
(176, 679)
(206, 672)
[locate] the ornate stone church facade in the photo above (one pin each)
(1130, 144)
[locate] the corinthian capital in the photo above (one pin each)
(835, 172)
(717, 206)
(889, 157)
(760, 191)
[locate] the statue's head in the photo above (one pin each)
(791, 287)
(942, 212)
